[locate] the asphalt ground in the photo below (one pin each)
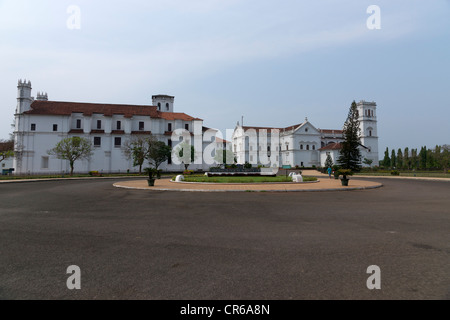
(136, 244)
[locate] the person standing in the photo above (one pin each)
(329, 172)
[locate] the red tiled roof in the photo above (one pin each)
(6, 146)
(221, 140)
(87, 109)
(329, 131)
(141, 132)
(76, 131)
(332, 146)
(293, 127)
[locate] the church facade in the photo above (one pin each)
(40, 124)
(303, 144)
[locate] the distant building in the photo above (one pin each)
(40, 124)
(303, 144)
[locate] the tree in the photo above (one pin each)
(350, 155)
(399, 158)
(328, 162)
(406, 159)
(224, 157)
(414, 159)
(6, 149)
(72, 149)
(137, 148)
(393, 159)
(188, 157)
(423, 158)
(158, 152)
(368, 162)
(386, 160)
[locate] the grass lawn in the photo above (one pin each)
(230, 179)
(423, 174)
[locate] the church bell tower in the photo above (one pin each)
(369, 133)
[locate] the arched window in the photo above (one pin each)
(314, 147)
(167, 106)
(370, 133)
(301, 147)
(306, 129)
(159, 106)
(307, 147)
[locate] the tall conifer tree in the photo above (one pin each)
(350, 155)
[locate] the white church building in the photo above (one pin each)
(303, 144)
(40, 124)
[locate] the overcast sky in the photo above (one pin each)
(273, 62)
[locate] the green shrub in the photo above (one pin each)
(247, 165)
(395, 173)
(345, 172)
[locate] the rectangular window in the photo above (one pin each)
(33, 127)
(118, 125)
(97, 141)
(251, 158)
(117, 142)
(78, 123)
(307, 147)
(169, 127)
(55, 127)
(141, 125)
(44, 163)
(99, 124)
(186, 126)
(169, 143)
(287, 147)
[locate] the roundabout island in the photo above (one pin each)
(323, 183)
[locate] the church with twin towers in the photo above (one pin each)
(41, 123)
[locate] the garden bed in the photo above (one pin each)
(244, 179)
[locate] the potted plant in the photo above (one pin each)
(345, 173)
(336, 174)
(151, 179)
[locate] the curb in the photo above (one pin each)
(63, 179)
(405, 178)
(250, 191)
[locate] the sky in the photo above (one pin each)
(272, 62)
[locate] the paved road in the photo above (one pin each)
(133, 244)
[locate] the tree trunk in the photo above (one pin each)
(140, 168)
(71, 168)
